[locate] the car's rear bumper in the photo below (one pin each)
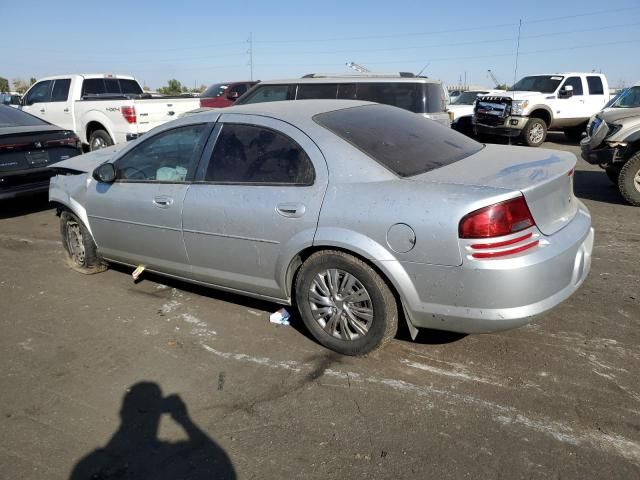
(27, 182)
(501, 294)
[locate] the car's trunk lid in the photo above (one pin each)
(34, 147)
(545, 178)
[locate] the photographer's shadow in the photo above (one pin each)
(135, 452)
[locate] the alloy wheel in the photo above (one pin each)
(536, 133)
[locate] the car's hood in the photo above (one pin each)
(460, 110)
(612, 115)
(89, 161)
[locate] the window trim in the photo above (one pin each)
(190, 176)
(207, 156)
(32, 88)
(53, 86)
(599, 78)
(575, 94)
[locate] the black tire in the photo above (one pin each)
(80, 250)
(629, 180)
(383, 325)
(575, 133)
(535, 132)
(99, 139)
(613, 172)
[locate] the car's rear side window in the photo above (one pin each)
(316, 91)
(267, 93)
(131, 87)
(595, 85)
(249, 154)
(405, 143)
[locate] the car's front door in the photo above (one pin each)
(37, 98)
(567, 109)
(138, 218)
(254, 204)
(59, 108)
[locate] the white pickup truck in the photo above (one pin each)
(537, 103)
(101, 109)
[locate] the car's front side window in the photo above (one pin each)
(249, 154)
(170, 156)
(576, 83)
(40, 92)
(268, 93)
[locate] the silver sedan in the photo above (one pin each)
(358, 214)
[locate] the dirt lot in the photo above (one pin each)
(92, 362)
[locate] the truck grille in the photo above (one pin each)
(492, 110)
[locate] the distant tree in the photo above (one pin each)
(174, 87)
(32, 80)
(502, 86)
(146, 88)
(199, 89)
(4, 84)
(185, 89)
(20, 85)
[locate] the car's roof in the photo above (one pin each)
(352, 79)
(87, 76)
(288, 110)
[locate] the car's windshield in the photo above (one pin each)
(630, 98)
(466, 98)
(215, 90)
(538, 83)
(12, 117)
(405, 143)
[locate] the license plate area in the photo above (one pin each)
(37, 159)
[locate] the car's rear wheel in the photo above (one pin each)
(535, 132)
(345, 303)
(99, 139)
(80, 250)
(629, 180)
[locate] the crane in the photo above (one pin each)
(493, 77)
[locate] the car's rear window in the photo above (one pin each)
(12, 117)
(405, 143)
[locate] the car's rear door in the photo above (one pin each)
(138, 218)
(254, 205)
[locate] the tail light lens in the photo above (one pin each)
(72, 141)
(129, 114)
(497, 220)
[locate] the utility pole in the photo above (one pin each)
(250, 52)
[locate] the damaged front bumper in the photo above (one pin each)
(604, 154)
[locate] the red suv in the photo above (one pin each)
(221, 95)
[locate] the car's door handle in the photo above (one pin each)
(66, 110)
(291, 210)
(163, 201)
(42, 110)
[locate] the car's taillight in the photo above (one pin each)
(497, 220)
(71, 141)
(129, 114)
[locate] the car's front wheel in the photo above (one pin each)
(535, 132)
(80, 250)
(345, 304)
(629, 180)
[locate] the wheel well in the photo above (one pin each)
(542, 115)
(632, 149)
(92, 127)
(299, 259)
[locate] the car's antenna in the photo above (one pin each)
(423, 69)
(515, 73)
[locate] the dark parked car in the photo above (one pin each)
(221, 95)
(27, 146)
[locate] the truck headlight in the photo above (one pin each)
(518, 106)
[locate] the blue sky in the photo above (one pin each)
(206, 42)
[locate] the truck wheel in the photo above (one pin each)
(629, 180)
(575, 133)
(613, 172)
(99, 139)
(79, 248)
(535, 132)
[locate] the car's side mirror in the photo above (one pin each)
(232, 95)
(567, 91)
(105, 173)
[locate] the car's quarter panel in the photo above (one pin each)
(235, 235)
